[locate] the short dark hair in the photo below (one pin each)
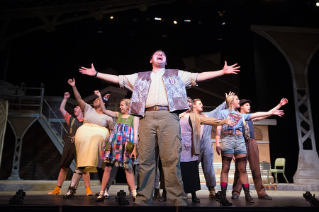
(156, 51)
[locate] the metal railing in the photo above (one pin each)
(21, 95)
(56, 117)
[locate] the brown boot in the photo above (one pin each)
(247, 195)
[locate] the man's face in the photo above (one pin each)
(245, 108)
(158, 59)
(77, 111)
(199, 106)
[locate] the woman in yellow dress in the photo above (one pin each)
(89, 139)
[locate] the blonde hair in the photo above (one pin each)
(229, 101)
(126, 101)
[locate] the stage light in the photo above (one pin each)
(120, 199)
(175, 22)
(187, 20)
(223, 23)
(111, 17)
(317, 4)
(311, 199)
(158, 19)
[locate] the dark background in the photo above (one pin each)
(126, 42)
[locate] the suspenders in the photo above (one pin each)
(72, 126)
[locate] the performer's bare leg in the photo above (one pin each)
(86, 179)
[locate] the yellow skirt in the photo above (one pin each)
(89, 141)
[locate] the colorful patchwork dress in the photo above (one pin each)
(116, 147)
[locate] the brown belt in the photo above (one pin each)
(157, 108)
(230, 132)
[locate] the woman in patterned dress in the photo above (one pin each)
(120, 149)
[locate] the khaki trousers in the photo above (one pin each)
(161, 127)
(253, 158)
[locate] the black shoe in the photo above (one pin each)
(265, 197)
(234, 196)
(194, 198)
(72, 192)
(163, 196)
(157, 193)
(101, 197)
(248, 198)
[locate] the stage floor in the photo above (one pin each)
(284, 199)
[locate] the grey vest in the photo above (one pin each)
(174, 86)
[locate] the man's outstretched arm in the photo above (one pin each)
(233, 69)
(92, 72)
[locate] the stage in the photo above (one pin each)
(40, 201)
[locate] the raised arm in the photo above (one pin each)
(105, 111)
(77, 94)
(233, 69)
(92, 72)
(62, 106)
(282, 102)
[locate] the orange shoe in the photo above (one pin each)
(56, 191)
(88, 191)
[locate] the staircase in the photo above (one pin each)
(25, 107)
(54, 136)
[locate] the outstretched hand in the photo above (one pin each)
(230, 122)
(66, 95)
(229, 94)
(88, 71)
(97, 92)
(233, 69)
(71, 82)
(278, 112)
(283, 101)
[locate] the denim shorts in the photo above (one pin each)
(234, 144)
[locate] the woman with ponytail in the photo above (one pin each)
(230, 142)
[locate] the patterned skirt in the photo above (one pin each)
(116, 151)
